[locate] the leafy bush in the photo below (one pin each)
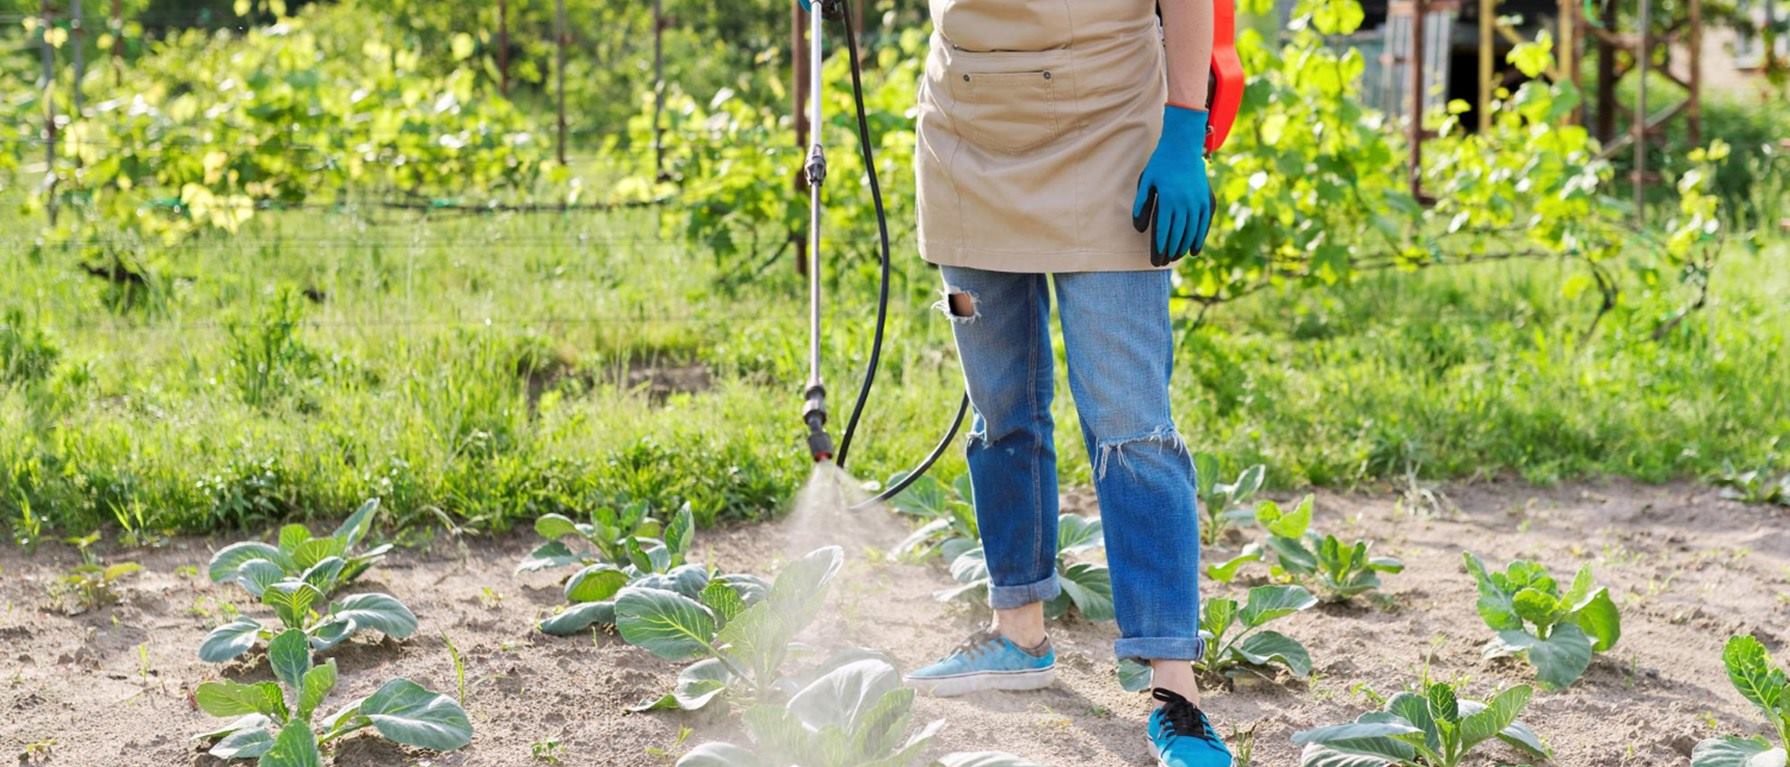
(1435, 729)
(1087, 587)
(742, 646)
(852, 716)
(1222, 503)
(1338, 570)
(1750, 669)
(949, 512)
(276, 721)
(1556, 632)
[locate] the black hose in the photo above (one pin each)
(931, 458)
(882, 301)
(882, 226)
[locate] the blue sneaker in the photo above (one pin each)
(1180, 736)
(986, 661)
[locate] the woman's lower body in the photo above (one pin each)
(1119, 343)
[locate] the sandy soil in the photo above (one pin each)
(112, 686)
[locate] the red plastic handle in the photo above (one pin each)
(1224, 96)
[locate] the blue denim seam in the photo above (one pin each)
(1160, 648)
(1039, 557)
(1165, 435)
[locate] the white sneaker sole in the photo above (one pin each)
(982, 681)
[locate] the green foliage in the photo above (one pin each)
(275, 722)
(742, 639)
(1222, 502)
(27, 354)
(204, 129)
(1766, 687)
(949, 513)
(1336, 569)
(1086, 587)
(1555, 631)
(1432, 728)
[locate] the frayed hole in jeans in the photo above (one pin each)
(1165, 436)
(961, 306)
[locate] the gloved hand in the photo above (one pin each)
(807, 5)
(1174, 197)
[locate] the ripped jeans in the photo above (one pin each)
(1120, 353)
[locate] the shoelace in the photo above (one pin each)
(1182, 717)
(978, 643)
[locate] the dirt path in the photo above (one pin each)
(112, 686)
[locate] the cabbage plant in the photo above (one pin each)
(1222, 503)
(1235, 639)
(301, 606)
(591, 592)
(1435, 729)
(630, 535)
(1767, 688)
(1337, 570)
(737, 646)
(853, 716)
(1087, 587)
(1556, 631)
(326, 562)
(277, 722)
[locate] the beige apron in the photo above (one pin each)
(1035, 119)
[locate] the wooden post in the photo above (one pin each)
(116, 23)
(48, 85)
(1643, 64)
(1488, 12)
(1418, 8)
(658, 87)
(78, 38)
(559, 71)
(503, 47)
(1694, 111)
(1606, 76)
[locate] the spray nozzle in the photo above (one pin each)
(814, 414)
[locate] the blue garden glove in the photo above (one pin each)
(1174, 198)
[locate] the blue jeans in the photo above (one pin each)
(1120, 352)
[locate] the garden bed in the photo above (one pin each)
(114, 685)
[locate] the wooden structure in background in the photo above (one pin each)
(1623, 44)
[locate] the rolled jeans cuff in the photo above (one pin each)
(1160, 648)
(1009, 597)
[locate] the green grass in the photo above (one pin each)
(477, 367)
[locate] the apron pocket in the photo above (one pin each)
(1005, 112)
